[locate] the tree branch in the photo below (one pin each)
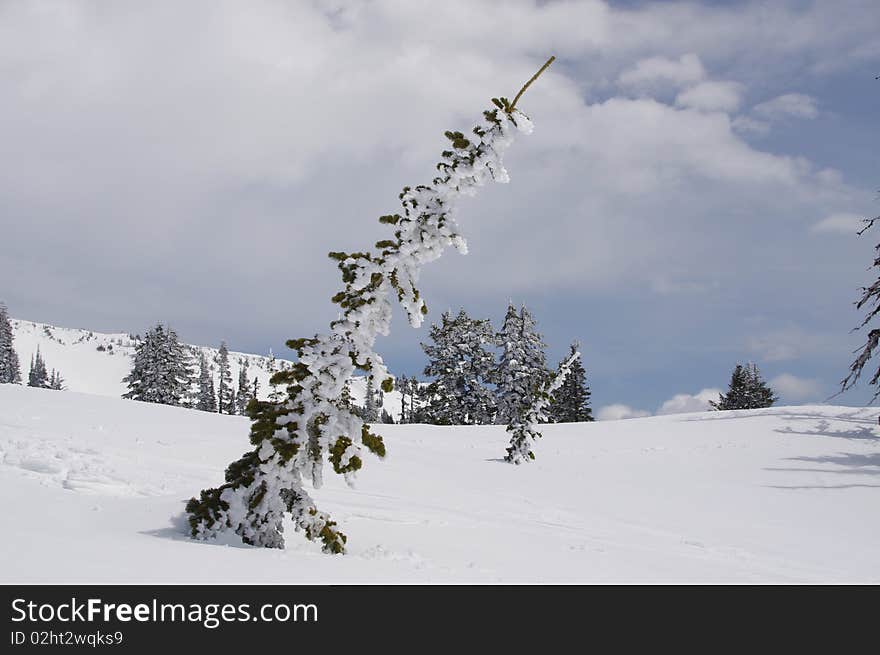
(527, 84)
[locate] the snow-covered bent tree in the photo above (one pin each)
(523, 427)
(292, 437)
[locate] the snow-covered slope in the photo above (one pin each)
(96, 362)
(93, 489)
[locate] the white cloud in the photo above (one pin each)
(796, 105)
(684, 402)
(750, 125)
(288, 127)
(848, 224)
(659, 71)
(619, 411)
(667, 286)
(787, 343)
(792, 388)
(711, 96)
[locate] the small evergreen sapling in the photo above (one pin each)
(523, 428)
(293, 436)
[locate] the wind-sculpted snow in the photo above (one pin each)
(786, 494)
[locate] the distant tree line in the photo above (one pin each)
(10, 368)
(481, 376)
(167, 371)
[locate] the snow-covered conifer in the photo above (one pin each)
(371, 402)
(243, 395)
(461, 363)
(571, 401)
(161, 369)
(10, 369)
(293, 436)
(736, 396)
(206, 400)
(522, 368)
(345, 399)
(759, 392)
(38, 375)
(747, 390)
(225, 392)
(523, 428)
(56, 381)
(403, 385)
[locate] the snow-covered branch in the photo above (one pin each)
(292, 438)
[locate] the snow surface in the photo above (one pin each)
(74, 352)
(94, 488)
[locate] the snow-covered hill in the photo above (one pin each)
(93, 489)
(95, 362)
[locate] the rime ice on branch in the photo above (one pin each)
(523, 427)
(291, 438)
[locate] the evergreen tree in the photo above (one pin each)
(523, 427)
(225, 392)
(38, 376)
(345, 399)
(571, 401)
(371, 402)
(293, 436)
(56, 381)
(409, 388)
(402, 386)
(759, 392)
(416, 410)
(256, 388)
(385, 417)
(735, 398)
(206, 401)
(10, 370)
(161, 369)
(243, 396)
(522, 368)
(747, 390)
(461, 364)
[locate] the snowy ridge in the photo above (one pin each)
(784, 494)
(95, 362)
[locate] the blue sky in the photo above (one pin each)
(688, 198)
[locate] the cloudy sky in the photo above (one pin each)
(689, 197)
